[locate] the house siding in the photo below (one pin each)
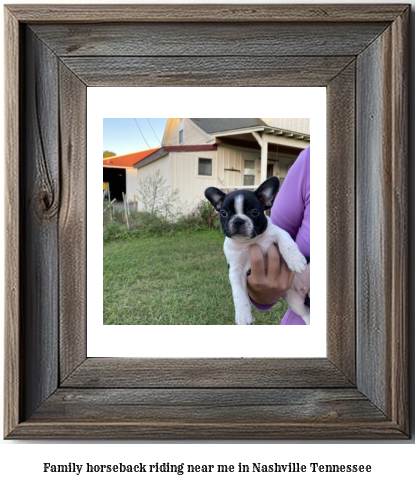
(296, 125)
(180, 171)
(131, 184)
(231, 166)
(174, 133)
(233, 159)
(193, 135)
(161, 165)
(185, 177)
(168, 131)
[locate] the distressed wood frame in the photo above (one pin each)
(359, 52)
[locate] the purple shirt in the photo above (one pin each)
(291, 212)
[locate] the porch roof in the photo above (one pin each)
(211, 126)
(242, 130)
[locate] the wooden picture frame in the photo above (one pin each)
(360, 53)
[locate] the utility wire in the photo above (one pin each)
(148, 120)
(142, 134)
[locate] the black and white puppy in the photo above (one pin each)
(243, 220)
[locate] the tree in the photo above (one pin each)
(109, 154)
(158, 198)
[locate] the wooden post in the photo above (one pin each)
(127, 211)
(264, 154)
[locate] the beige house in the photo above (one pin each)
(226, 153)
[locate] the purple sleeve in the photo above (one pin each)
(291, 212)
(291, 209)
(261, 307)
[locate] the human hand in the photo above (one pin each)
(267, 283)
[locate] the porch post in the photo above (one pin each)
(263, 143)
(264, 160)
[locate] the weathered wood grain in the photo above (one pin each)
(210, 405)
(400, 224)
(382, 223)
(13, 380)
(206, 13)
(188, 430)
(373, 197)
(39, 213)
(206, 399)
(205, 71)
(206, 373)
(209, 39)
(341, 235)
(72, 222)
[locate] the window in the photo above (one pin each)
(205, 167)
(181, 132)
(249, 172)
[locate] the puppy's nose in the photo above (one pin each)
(238, 222)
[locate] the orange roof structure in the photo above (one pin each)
(128, 160)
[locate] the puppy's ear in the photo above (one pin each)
(215, 197)
(267, 191)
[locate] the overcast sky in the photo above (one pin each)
(124, 136)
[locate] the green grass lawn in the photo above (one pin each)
(174, 279)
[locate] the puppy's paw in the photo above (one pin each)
(296, 303)
(295, 260)
(244, 317)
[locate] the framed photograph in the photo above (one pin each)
(359, 53)
(176, 300)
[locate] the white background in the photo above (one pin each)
(392, 462)
(217, 340)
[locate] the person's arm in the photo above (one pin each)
(291, 211)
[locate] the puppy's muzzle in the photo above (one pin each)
(239, 228)
(238, 223)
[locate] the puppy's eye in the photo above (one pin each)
(254, 212)
(224, 213)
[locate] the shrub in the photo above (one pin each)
(157, 197)
(141, 224)
(203, 217)
(149, 224)
(146, 224)
(113, 230)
